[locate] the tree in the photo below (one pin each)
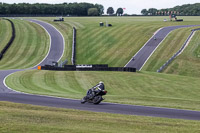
(120, 11)
(100, 8)
(152, 11)
(110, 10)
(93, 12)
(76, 9)
(144, 12)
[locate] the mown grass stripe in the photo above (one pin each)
(21, 51)
(5, 33)
(10, 55)
(25, 51)
(29, 47)
(64, 84)
(188, 62)
(39, 76)
(34, 52)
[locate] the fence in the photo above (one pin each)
(10, 41)
(177, 53)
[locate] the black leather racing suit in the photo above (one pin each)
(94, 90)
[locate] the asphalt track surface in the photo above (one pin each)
(142, 56)
(55, 54)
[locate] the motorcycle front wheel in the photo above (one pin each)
(97, 99)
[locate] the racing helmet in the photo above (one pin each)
(101, 82)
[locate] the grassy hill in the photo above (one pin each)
(29, 47)
(5, 33)
(112, 45)
(188, 63)
(143, 88)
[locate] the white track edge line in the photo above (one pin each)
(154, 50)
(144, 45)
(61, 35)
(49, 46)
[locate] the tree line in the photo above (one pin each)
(184, 10)
(119, 12)
(72, 9)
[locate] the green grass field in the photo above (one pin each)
(114, 46)
(29, 47)
(18, 118)
(144, 88)
(5, 33)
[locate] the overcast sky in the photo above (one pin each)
(132, 6)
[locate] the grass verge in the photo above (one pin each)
(29, 47)
(18, 118)
(5, 33)
(144, 88)
(188, 63)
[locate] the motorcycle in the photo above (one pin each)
(96, 99)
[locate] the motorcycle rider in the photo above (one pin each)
(94, 90)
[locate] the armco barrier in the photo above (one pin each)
(11, 40)
(177, 53)
(87, 68)
(74, 47)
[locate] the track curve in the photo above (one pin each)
(55, 54)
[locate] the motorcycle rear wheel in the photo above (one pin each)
(83, 100)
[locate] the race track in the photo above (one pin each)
(55, 53)
(141, 57)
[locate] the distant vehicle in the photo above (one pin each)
(59, 19)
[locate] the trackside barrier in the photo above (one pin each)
(177, 53)
(62, 63)
(74, 47)
(87, 68)
(11, 40)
